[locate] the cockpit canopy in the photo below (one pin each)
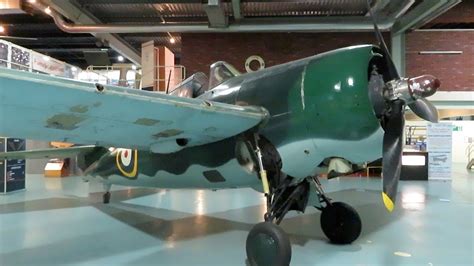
(191, 87)
(198, 83)
(221, 71)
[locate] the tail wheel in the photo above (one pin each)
(341, 223)
(268, 244)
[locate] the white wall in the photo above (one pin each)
(461, 140)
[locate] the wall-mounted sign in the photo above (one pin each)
(457, 128)
(47, 65)
(439, 145)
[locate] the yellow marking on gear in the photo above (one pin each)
(387, 202)
(263, 176)
(133, 173)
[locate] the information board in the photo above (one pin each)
(439, 145)
(12, 172)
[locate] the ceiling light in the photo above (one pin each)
(172, 40)
(32, 1)
(74, 69)
(47, 10)
(46, 58)
(120, 58)
(2, 29)
(134, 67)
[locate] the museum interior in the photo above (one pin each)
(273, 132)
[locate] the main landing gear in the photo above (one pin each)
(106, 196)
(267, 243)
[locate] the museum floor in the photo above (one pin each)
(57, 221)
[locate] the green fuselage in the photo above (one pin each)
(319, 108)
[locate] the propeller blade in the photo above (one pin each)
(392, 154)
(386, 54)
(425, 110)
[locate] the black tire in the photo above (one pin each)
(268, 244)
(341, 223)
(270, 156)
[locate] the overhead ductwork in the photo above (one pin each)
(318, 24)
(250, 25)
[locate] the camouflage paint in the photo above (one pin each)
(319, 107)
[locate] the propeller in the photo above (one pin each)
(390, 99)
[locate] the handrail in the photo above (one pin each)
(104, 75)
(9, 64)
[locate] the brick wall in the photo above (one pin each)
(460, 13)
(199, 51)
(456, 72)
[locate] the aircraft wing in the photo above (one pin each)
(42, 107)
(47, 153)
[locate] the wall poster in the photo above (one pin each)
(439, 146)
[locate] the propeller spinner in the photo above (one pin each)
(390, 99)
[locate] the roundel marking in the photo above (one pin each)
(126, 160)
(126, 157)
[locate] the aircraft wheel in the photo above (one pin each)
(268, 244)
(341, 223)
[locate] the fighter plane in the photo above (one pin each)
(270, 130)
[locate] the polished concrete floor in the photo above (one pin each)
(62, 221)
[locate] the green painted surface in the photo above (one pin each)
(336, 98)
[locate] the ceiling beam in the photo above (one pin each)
(216, 14)
(422, 14)
(61, 40)
(78, 15)
(379, 5)
(236, 10)
(124, 2)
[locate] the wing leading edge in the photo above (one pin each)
(41, 107)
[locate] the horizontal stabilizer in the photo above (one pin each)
(48, 153)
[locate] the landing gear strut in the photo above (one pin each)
(267, 243)
(106, 196)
